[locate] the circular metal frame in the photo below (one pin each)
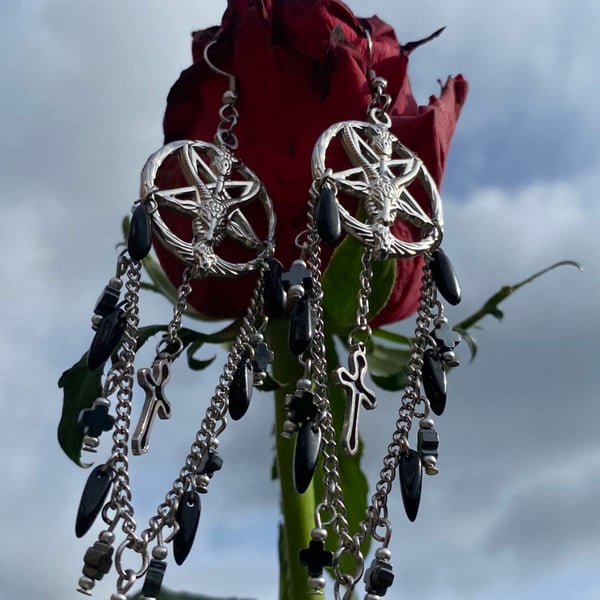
(219, 187)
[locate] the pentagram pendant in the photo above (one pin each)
(380, 172)
(218, 188)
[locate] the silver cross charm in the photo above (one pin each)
(357, 393)
(153, 382)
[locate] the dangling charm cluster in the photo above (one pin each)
(215, 192)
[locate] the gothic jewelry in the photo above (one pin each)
(391, 184)
(216, 191)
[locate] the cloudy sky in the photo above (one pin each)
(513, 513)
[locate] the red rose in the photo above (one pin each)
(300, 66)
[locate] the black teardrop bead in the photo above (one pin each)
(434, 382)
(274, 295)
(107, 338)
(139, 239)
(411, 480)
(187, 517)
(445, 278)
(301, 327)
(240, 391)
(329, 226)
(92, 498)
(108, 300)
(306, 455)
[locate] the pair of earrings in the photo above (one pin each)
(218, 188)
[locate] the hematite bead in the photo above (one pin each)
(92, 498)
(434, 382)
(328, 222)
(240, 390)
(139, 239)
(187, 517)
(97, 560)
(411, 480)
(274, 297)
(315, 558)
(95, 420)
(107, 338)
(379, 577)
(445, 277)
(428, 442)
(108, 300)
(301, 327)
(154, 578)
(306, 455)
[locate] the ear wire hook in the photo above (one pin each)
(370, 71)
(229, 76)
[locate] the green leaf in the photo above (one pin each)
(194, 363)
(80, 388)
(341, 284)
(169, 595)
(490, 307)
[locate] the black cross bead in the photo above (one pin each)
(98, 560)
(315, 558)
(446, 338)
(210, 463)
(297, 275)
(263, 357)
(96, 420)
(301, 407)
(379, 577)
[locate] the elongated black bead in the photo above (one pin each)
(434, 382)
(108, 300)
(187, 517)
(306, 455)
(411, 480)
(274, 296)
(107, 338)
(329, 226)
(240, 391)
(301, 327)
(139, 239)
(92, 498)
(154, 578)
(445, 278)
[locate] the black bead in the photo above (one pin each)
(445, 337)
(411, 479)
(301, 327)
(210, 463)
(240, 390)
(329, 226)
(379, 577)
(108, 300)
(154, 578)
(95, 420)
(434, 382)
(445, 277)
(92, 498)
(274, 296)
(187, 517)
(301, 406)
(315, 557)
(107, 338)
(97, 560)
(298, 275)
(428, 442)
(306, 455)
(139, 239)
(263, 357)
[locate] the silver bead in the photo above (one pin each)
(101, 401)
(86, 584)
(296, 292)
(115, 283)
(449, 358)
(107, 536)
(304, 384)
(383, 554)
(160, 552)
(202, 482)
(426, 423)
(229, 97)
(96, 321)
(318, 534)
(372, 597)
(90, 443)
(289, 427)
(316, 584)
(118, 596)
(429, 462)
